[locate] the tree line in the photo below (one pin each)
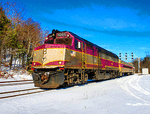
(144, 63)
(18, 37)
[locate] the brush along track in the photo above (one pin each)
(11, 83)
(24, 90)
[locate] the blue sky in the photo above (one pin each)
(120, 26)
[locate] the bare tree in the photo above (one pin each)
(21, 36)
(32, 35)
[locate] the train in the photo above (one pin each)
(66, 59)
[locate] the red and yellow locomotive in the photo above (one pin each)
(67, 59)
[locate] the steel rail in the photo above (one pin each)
(23, 94)
(15, 81)
(15, 84)
(18, 91)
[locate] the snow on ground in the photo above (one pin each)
(18, 77)
(22, 77)
(18, 74)
(125, 95)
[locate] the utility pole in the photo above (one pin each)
(139, 65)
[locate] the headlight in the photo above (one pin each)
(59, 62)
(44, 51)
(46, 38)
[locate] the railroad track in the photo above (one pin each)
(18, 82)
(15, 81)
(4, 95)
(27, 92)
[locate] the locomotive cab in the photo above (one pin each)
(50, 59)
(52, 53)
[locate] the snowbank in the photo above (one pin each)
(17, 74)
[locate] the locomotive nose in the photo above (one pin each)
(44, 59)
(49, 56)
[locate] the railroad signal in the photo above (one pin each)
(126, 56)
(132, 55)
(119, 54)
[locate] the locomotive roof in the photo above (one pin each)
(76, 36)
(98, 47)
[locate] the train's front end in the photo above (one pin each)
(49, 60)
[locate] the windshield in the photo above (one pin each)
(66, 41)
(49, 42)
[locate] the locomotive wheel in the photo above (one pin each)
(86, 78)
(113, 74)
(70, 80)
(119, 74)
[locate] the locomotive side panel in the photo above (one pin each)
(103, 58)
(89, 61)
(95, 61)
(73, 59)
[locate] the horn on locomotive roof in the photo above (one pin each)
(55, 31)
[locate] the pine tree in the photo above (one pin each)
(4, 24)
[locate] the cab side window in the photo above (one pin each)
(77, 44)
